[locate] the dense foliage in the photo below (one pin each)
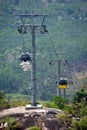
(2, 97)
(81, 97)
(72, 115)
(66, 25)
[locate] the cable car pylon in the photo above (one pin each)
(61, 80)
(26, 57)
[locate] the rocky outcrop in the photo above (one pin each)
(45, 119)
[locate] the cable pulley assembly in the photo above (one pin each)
(22, 29)
(43, 29)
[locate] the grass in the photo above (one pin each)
(17, 97)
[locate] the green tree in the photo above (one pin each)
(60, 101)
(80, 96)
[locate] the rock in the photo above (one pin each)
(45, 119)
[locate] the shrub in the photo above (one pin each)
(2, 98)
(75, 125)
(60, 101)
(83, 123)
(83, 111)
(69, 109)
(65, 119)
(80, 109)
(34, 128)
(80, 125)
(80, 96)
(51, 105)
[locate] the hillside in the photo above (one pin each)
(67, 32)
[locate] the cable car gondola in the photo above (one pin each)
(62, 83)
(25, 57)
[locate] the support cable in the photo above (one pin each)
(45, 7)
(52, 44)
(23, 44)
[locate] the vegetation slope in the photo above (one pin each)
(66, 24)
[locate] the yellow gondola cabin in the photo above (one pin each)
(62, 84)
